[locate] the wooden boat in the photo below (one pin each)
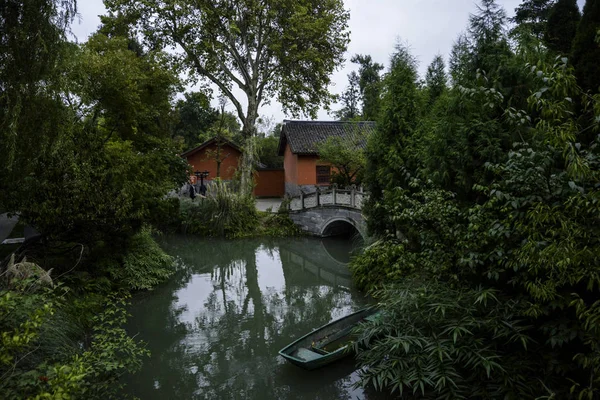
(326, 344)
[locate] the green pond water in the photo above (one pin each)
(215, 328)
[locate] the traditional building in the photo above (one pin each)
(205, 157)
(299, 143)
(269, 182)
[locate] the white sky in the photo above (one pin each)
(427, 26)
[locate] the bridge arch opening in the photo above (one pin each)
(340, 228)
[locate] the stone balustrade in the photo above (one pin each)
(352, 198)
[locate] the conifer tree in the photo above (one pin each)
(533, 15)
(562, 26)
(370, 85)
(436, 78)
(586, 49)
(350, 99)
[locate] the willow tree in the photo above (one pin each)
(270, 49)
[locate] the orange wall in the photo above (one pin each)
(307, 170)
(205, 159)
(299, 169)
(290, 162)
(269, 183)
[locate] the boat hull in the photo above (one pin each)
(311, 352)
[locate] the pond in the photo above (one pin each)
(215, 328)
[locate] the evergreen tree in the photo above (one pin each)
(370, 85)
(195, 117)
(586, 50)
(350, 99)
(436, 78)
(532, 16)
(389, 160)
(459, 59)
(488, 37)
(562, 26)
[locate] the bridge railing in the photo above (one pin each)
(351, 198)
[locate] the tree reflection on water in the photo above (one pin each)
(215, 328)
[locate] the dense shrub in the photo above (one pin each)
(223, 213)
(41, 352)
(489, 226)
(143, 266)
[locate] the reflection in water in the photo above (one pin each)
(214, 330)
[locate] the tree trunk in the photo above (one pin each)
(248, 156)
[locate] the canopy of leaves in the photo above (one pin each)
(348, 159)
(195, 117)
(586, 50)
(436, 79)
(370, 85)
(485, 207)
(562, 26)
(350, 100)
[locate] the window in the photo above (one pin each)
(323, 174)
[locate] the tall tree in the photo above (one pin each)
(195, 117)
(32, 49)
(533, 16)
(562, 26)
(350, 99)
(268, 49)
(389, 161)
(459, 59)
(436, 78)
(586, 49)
(370, 85)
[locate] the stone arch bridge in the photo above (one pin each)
(330, 212)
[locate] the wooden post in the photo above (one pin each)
(302, 200)
(318, 192)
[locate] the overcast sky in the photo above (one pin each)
(427, 26)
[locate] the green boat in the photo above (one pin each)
(326, 344)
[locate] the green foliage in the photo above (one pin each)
(432, 342)
(387, 157)
(350, 99)
(436, 79)
(586, 50)
(562, 26)
(488, 222)
(194, 116)
(229, 214)
(38, 360)
(370, 86)
(104, 157)
(295, 47)
(224, 213)
(268, 150)
(143, 266)
(532, 15)
(347, 157)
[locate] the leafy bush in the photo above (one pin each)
(38, 360)
(166, 215)
(512, 216)
(143, 266)
(223, 213)
(437, 342)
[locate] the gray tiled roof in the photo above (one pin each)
(305, 136)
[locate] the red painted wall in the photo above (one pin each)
(205, 159)
(269, 183)
(290, 162)
(299, 169)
